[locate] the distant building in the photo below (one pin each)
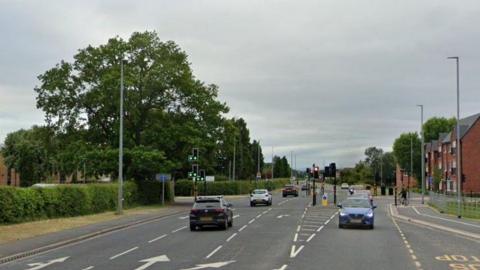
(403, 180)
(8, 177)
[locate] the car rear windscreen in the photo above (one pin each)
(206, 204)
(259, 191)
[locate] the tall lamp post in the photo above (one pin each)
(120, 146)
(423, 153)
(459, 166)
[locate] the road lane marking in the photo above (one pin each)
(295, 238)
(298, 228)
(179, 229)
(158, 238)
(303, 216)
(308, 230)
(314, 222)
(282, 268)
(259, 216)
(311, 237)
(319, 229)
(213, 252)
(269, 209)
(294, 252)
(251, 221)
(306, 225)
(231, 237)
(264, 212)
(185, 217)
(236, 216)
(123, 253)
(88, 268)
(242, 228)
(416, 211)
(326, 222)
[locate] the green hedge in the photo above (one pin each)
(185, 187)
(25, 204)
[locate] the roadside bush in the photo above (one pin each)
(25, 204)
(185, 187)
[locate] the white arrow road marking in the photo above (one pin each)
(43, 265)
(213, 252)
(185, 217)
(210, 265)
(151, 261)
(294, 252)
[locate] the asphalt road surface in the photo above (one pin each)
(290, 234)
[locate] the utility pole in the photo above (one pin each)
(120, 147)
(272, 162)
(459, 165)
(234, 156)
(423, 153)
(291, 165)
(411, 167)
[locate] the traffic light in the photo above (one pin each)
(326, 172)
(202, 175)
(333, 170)
(193, 173)
(316, 172)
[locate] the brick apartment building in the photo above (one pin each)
(403, 180)
(8, 178)
(441, 161)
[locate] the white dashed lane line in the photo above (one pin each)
(242, 228)
(213, 252)
(123, 253)
(179, 229)
(158, 238)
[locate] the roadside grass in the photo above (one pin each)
(451, 209)
(14, 232)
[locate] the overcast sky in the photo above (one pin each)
(325, 79)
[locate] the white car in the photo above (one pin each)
(260, 196)
(344, 186)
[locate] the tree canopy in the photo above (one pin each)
(436, 125)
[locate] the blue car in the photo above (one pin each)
(356, 212)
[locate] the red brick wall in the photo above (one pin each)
(471, 159)
(413, 181)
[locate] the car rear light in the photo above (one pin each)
(194, 211)
(219, 210)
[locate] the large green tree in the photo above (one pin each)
(436, 125)
(401, 151)
(166, 107)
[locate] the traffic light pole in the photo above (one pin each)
(314, 197)
(335, 190)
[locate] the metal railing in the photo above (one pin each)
(469, 206)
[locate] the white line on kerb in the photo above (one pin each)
(179, 229)
(213, 252)
(230, 238)
(123, 253)
(242, 228)
(158, 238)
(251, 221)
(311, 237)
(319, 229)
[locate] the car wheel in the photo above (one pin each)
(340, 226)
(252, 204)
(230, 223)
(371, 227)
(284, 195)
(224, 226)
(193, 228)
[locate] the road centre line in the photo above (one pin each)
(264, 212)
(295, 238)
(298, 228)
(158, 238)
(311, 237)
(242, 228)
(123, 253)
(179, 229)
(251, 221)
(231, 237)
(259, 216)
(319, 229)
(213, 252)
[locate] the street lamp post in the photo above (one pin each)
(120, 147)
(459, 166)
(423, 153)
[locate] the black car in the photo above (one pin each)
(211, 211)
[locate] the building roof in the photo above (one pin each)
(434, 145)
